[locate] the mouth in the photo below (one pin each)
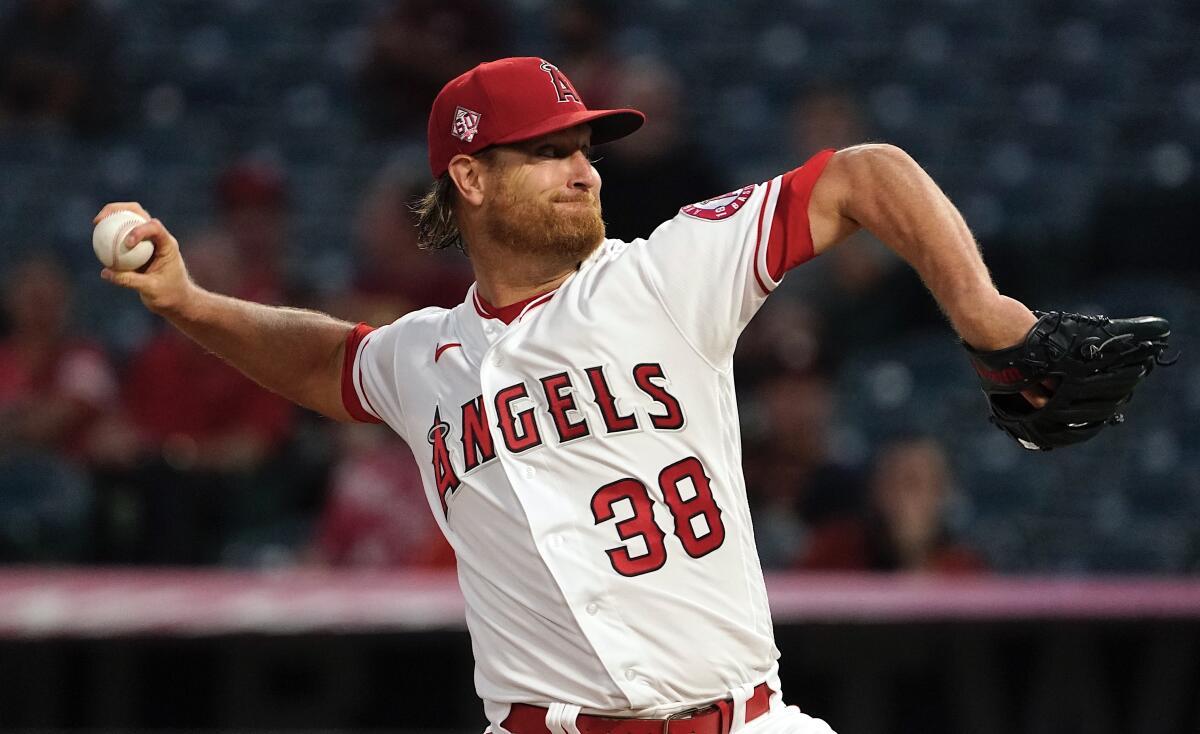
(587, 202)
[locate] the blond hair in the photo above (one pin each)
(437, 229)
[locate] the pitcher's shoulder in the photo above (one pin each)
(414, 326)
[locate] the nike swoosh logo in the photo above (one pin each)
(437, 351)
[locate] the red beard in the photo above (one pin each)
(537, 227)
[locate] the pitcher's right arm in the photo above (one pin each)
(293, 352)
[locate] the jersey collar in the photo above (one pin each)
(480, 324)
(511, 312)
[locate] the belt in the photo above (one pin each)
(715, 718)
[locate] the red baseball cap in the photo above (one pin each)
(510, 100)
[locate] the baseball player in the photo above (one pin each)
(574, 417)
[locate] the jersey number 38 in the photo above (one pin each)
(686, 512)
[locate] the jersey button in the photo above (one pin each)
(630, 674)
(592, 608)
(498, 361)
(530, 471)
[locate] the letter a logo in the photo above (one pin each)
(443, 470)
(562, 85)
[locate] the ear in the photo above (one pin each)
(467, 173)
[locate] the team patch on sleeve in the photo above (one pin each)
(720, 207)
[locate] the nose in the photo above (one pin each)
(584, 176)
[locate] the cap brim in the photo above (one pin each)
(615, 124)
(607, 125)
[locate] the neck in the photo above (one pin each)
(503, 277)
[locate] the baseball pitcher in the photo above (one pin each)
(574, 417)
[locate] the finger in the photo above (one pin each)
(124, 278)
(154, 231)
(1039, 395)
(120, 206)
(1036, 396)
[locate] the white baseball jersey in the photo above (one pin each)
(583, 458)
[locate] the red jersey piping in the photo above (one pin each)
(508, 313)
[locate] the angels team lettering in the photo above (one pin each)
(558, 399)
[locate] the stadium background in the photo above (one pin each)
(280, 140)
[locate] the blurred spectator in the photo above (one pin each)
(786, 336)
(52, 389)
(793, 481)
(52, 386)
(904, 528)
(198, 432)
(253, 216)
(392, 276)
(58, 66)
(583, 40)
(647, 177)
(415, 47)
(860, 286)
(825, 116)
(376, 514)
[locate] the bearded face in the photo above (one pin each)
(565, 226)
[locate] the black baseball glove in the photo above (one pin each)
(1089, 364)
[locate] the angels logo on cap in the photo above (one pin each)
(562, 86)
(466, 124)
(522, 98)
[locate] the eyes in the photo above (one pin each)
(550, 150)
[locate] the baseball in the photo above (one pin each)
(108, 240)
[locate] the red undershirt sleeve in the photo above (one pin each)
(352, 383)
(790, 242)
